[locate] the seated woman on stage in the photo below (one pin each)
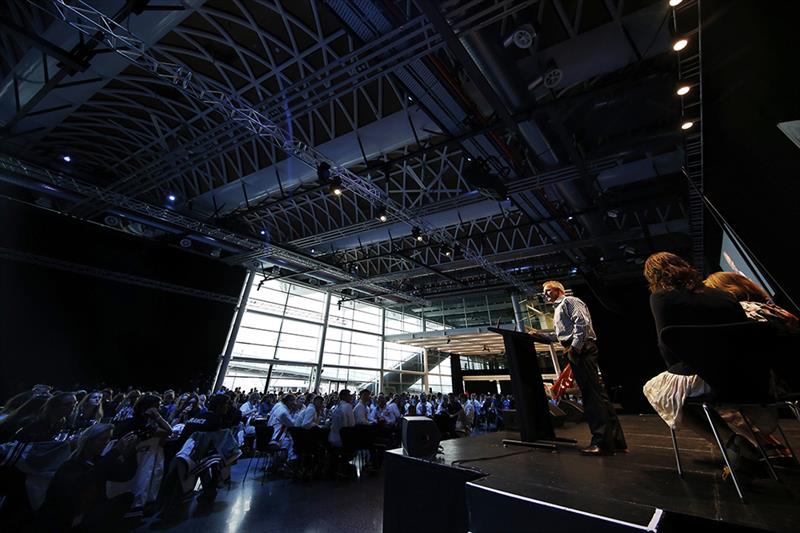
(678, 297)
(759, 306)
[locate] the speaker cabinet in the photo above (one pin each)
(420, 436)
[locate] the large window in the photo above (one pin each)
(280, 338)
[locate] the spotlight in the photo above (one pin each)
(679, 45)
(313, 251)
(382, 217)
(573, 270)
(263, 232)
(675, 3)
(336, 186)
(570, 218)
(683, 90)
(185, 243)
(171, 197)
(612, 213)
(67, 158)
(416, 233)
(687, 125)
(447, 253)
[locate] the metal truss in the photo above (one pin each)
(121, 277)
(690, 72)
(88, 20)
(257, 248)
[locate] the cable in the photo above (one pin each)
(462, 461)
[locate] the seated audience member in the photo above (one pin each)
(41, 389)
(342, 417)
(250, 408)
(145, 419)
(22, 416)
(51, 421)
(168, 405)
(125, 408)
(14, 403)
(361, 412)
(678, 297)
(423, 407)
(281, 420)
(76, 498)
(265, 406)
(311, 414)
(385, 415)
(88, 411)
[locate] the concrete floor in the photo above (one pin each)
(286, 505)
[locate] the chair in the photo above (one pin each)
(308, 445)
(732, 359)
(264, 448)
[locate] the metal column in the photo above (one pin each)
(383, 344)
(517, 312)
(241, 307)
(325, 316)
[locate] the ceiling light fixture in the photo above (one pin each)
(67, 158)
(683, 90)
(687, 125)
(675, 3)
(679, 45)
(171, 198)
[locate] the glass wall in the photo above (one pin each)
(280, 343)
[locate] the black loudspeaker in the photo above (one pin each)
(420, 436)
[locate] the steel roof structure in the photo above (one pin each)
(481, 145)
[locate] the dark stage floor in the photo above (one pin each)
(629, 485)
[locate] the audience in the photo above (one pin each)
(102, 465)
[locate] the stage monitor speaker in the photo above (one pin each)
(420, 436)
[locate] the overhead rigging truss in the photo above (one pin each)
(88, 20)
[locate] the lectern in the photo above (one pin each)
(533, 411)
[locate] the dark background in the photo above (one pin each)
(62, 328)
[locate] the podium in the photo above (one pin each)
(533, 409)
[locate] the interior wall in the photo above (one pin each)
(73, 330)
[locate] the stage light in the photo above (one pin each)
(687, 125)
(313, 251)
(185, 243)
(447, 253)
(675, 3)
(67, 158)
(171, 197)
(612, 213)
(573, 270)
(683, 90)
(416, 233)
(337, 190)
(679, 45)
(382, 217)
(263, 232)
(570, 218)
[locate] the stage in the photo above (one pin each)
(479, 485)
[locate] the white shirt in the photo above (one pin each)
(248, 409)
(395, 410)
(308, 417)
(469, 409)
(342, 418)
(363, 414)
(387, 414)
(572, 323)
(423, 409)
(281, 419)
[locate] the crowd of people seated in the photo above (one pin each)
(97, 460)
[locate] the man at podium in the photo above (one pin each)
(573, 329)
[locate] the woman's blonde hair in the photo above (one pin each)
(742, 288)
(665, 271)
